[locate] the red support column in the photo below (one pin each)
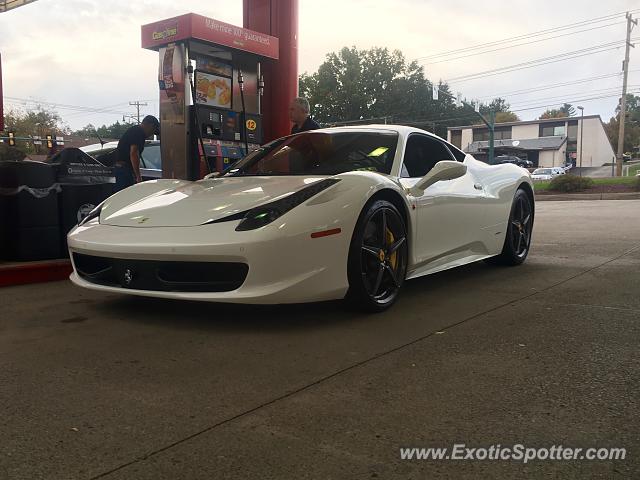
(280, 19)
(1, 97)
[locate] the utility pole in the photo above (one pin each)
(492, 128)
(138, 104)
(581, 134)
(623, 100)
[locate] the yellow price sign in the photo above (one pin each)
(251, 125)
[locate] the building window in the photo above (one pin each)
(572, 130)
(500, 133)
(556, 129)
(456, 138)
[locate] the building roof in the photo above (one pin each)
(528, 122)
(542, 143)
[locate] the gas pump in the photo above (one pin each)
(210, 92)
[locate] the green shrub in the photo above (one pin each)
(570, 183)
(637, 184)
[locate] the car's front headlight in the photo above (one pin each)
(265, 214)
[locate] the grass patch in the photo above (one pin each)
(614, 181)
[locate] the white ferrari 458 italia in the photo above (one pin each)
(327, 214)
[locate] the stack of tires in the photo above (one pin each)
(29, 215)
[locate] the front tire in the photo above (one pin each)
(517, 242)
(378, 254)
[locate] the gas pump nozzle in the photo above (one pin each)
(189, 70)
(244, 112)
(240, 80)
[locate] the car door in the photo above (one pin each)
(449, 213)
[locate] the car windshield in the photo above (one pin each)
(322, 153)
(543, 171)
(97, 148)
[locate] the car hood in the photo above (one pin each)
(178, 203)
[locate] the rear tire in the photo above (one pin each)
(378, 254)
(517, 242)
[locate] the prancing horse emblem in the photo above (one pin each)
(128, 276)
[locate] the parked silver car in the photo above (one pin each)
(540, 174)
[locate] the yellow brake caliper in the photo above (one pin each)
(394, 256)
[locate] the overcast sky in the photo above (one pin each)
(87, 52)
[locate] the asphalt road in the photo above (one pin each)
(104, 386)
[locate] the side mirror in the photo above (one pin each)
(211, 175)
(443, 170)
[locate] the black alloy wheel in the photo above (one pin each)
(519, 231)
(520, 227)
(377, 257)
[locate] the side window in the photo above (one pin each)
(151, 156)
(459, 154)
(421, 154)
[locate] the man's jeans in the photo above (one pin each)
(124, 178)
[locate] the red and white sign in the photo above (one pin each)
(155, 35)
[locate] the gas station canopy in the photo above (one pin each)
(197, 27)
(6, 5)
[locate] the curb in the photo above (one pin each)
(34, 272)
(588, 196)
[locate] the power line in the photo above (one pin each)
(78, 110)
(571, 101)
(540, 61)
(562, 97)
(525, 36)
(554, 85)
(62, 106)
(521, 44)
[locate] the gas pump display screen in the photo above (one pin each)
(213, 90)
(209, 65)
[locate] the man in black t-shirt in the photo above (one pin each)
(299, 115)
(130, 147)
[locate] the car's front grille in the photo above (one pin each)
(163, 276)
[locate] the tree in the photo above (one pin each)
(10, 153)
(502, 109)
(113, 131)
(552, 113)
(504, 117)
(376, 85)
(566, 110)
(40, 122)
(632, 125)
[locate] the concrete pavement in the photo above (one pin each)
(103, 386)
